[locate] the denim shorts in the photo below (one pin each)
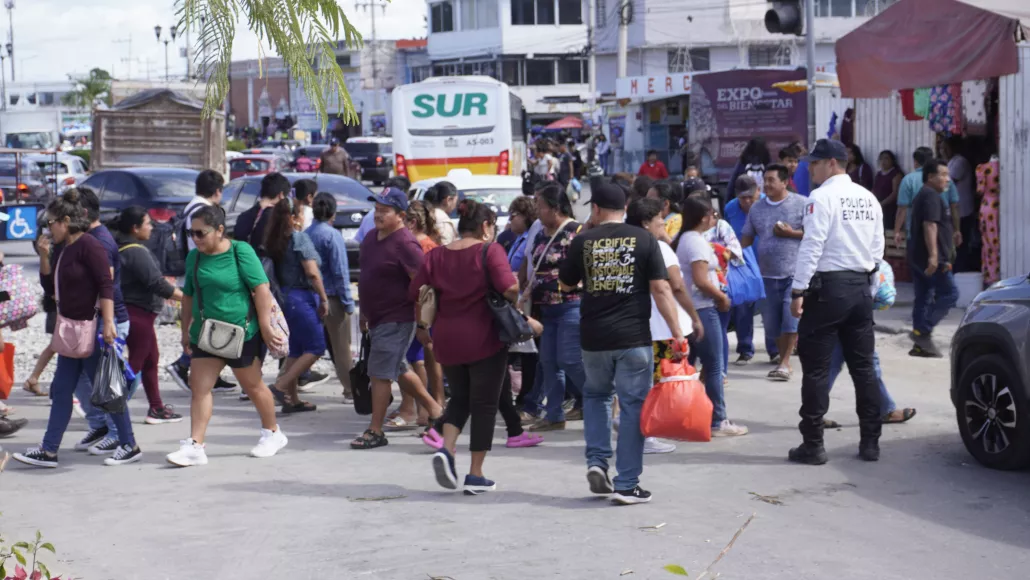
(306, 333)
(416, 352)
(776, 314)
(390, 343)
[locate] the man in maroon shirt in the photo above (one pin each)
(652, 167)
(390, 258)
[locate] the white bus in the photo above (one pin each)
(446, 123)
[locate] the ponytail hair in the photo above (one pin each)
(555, 198)
(473, 215)
(280, 228)
(695, 210)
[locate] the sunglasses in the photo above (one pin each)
(199, 233)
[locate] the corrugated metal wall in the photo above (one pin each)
(1014, 137)
(827, 102)
(879, 125)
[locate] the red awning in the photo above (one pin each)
(924, 43)
(570, 122)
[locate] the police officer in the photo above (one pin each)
(838, 254)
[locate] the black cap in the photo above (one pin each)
(609, 196)
(693, 184)
(828, 149)
(334, 141)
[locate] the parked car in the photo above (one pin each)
(352, 202)
(62, 171)
(163, 191)
(498, 191)
(374, 155)
(990, 375)
(22, 181)
(257, 165)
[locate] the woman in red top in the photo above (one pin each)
(464, 339)
(652, 167)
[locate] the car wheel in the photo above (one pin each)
(993, 413)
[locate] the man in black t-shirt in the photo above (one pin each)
(931, 253)
(620, 268)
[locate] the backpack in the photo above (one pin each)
(180, 235)
(162, 244)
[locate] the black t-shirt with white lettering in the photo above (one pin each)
(929, 206)
(616, 263)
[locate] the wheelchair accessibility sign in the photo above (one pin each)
(19, 222)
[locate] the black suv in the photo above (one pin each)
(374, 154)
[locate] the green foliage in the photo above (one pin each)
(675, 569)
(235, 145)
(95, 85)
(21, 551)
(303, 32)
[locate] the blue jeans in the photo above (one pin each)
(559, 351)
(627, 373)
(66, 378)
(97, 418)
(837, 363)
(533, 403)
(743, 317)
(724, 322)
(776, 316)
(710, 352)
(935, 296)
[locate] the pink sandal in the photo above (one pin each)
(433, 439)
(524, 440)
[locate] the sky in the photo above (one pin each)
(57, 38)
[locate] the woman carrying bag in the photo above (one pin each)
(82, 285)
(226, 321)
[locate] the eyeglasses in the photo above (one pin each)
(199, 233)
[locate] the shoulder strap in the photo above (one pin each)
(57, 269)
(540, 260)
(250, 238)
(196, 285)
(243, 280)
(127, 246)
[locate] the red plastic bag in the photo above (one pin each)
(677, 407)
(6, 370)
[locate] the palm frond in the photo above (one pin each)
(303, 32)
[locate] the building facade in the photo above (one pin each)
(537, 47)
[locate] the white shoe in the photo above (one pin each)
(77, 407)
(124, 455)
(270, 443)
(190, 453)
(653, 445)
(728, 429)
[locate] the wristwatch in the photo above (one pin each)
(797, 293)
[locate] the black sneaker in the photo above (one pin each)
(869, 450)
(443, 466)
(37, 457)
(106, 446)
(165, 415)
(918, 351)
(600, 483)
(475, 485)
(180, 375)
(775, 360)
(9, 427)
(310, 380)
(92, 438)
(631, 496)
(743, 360)
(808, 454)
(223, 386)
(123, 455)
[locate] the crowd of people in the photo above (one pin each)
(606, 300)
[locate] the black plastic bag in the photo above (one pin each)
(109, 382)
(360, 384)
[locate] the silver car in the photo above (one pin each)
(64, 172)
(990, 375)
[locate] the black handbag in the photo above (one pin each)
(361, 385)
(511, 325)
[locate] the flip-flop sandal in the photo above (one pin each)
(280, 397)
(433, 439)
(524, 440)
(781, 375)
(299, 407)
(33, 387)
(906, 414)
(369, 440)
(399, 424)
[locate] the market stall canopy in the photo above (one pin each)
(570, 122)
(925, 43)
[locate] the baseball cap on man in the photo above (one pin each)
(392, 197)
(334, 141)
(609, 196)
(828, 149)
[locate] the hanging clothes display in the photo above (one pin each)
(908, 105)
(957, 116)
(921, 102)
(945, 115)
(988, 186)
(974, 106)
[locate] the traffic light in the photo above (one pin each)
(786, 17)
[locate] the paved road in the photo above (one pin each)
(925, 511)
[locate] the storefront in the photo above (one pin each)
(652, 113)
(961, 77)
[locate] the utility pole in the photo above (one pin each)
(592, 57)
(625, 12)
(371, 6)
(127, 61)
(810, 66)
(9, 4)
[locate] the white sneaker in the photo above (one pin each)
(190, 453)
(124, 455)
(728, 429)
(653, 445)
(270, 443)
(77, 407)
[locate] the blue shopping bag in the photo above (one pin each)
(745, 280)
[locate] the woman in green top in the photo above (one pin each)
(228, 277)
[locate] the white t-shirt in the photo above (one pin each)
(659, 329)
(309, 216)
(693, 248)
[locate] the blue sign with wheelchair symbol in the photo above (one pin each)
(21, 223)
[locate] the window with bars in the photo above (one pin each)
(700, 60)
(441, 17)
(768, 56)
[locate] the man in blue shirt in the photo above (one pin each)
(910, 187)
(743, 315)
(336, 278)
